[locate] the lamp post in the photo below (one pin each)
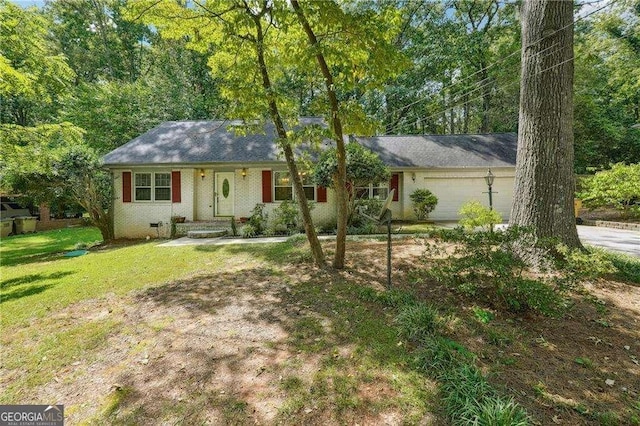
(489, 180)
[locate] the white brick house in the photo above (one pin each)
(202, 170)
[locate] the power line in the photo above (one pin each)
(430, 96)
(464, 97)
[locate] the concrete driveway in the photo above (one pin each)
(619, 240)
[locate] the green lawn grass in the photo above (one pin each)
(36, 266)
(28, 248)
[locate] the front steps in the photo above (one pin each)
(212, 233)
(204, 229)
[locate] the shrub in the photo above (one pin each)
(364, 229)
(476, 215)
(423, 202)
(257, 220)
(618, 187)
(286, 218)
(628, 267)
(328, 227)
(249, 231)
(527, 295)
(483, 265)
(579, 264)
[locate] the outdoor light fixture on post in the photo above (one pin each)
(489, 177)
(489, 180)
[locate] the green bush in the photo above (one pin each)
(628, 267)
(249, 231)
(363, 229)
(484, 266)
(328, 227)
(257, 221)
(423, 202)
(286, 218)
(618, 187)
(527, 295)
(580, 264)
(476, 215)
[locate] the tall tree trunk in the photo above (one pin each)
(285, 145)
(336, 126)
(545, 181)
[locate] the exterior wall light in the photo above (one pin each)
(413, 177)
(202, 174)
(243, 173)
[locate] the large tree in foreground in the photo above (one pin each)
(545, 182)
(353, 51)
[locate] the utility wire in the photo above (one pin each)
(430, 96)
(463, 98)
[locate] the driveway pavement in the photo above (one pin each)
(620, 240)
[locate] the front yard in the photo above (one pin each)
(133, 333)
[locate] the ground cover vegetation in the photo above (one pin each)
(256, 333)
(618, 187)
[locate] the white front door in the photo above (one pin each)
(224, 193)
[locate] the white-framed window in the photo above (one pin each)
(283, 186)
(379, 191)
(152, 186)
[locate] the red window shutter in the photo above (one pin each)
(266, 186)
(176, 190)
(395, 184)
(321, 194)
(126, 187)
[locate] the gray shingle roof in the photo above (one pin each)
(184, 142)
(198, 142)
(456, 151)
